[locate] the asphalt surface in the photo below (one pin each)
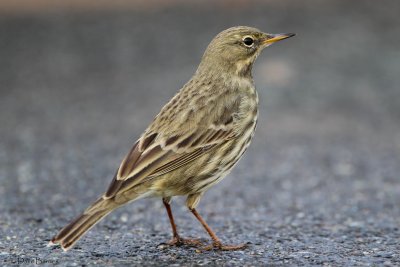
(319, 185)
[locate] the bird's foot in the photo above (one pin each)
(179, 241)
(217, 245)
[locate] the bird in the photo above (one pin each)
(194, 141)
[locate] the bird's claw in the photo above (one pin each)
(216, 245)
(179, 241)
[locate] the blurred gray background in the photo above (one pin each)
(320, 185)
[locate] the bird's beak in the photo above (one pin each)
(272, 38)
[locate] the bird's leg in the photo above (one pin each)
(217, 244)
(176, 239)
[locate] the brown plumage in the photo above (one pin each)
(194, 141)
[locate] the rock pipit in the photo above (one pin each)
(195, 140)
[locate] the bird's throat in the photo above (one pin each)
(244, 68)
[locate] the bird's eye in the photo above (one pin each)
(248, 41)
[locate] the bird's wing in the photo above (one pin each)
(154, 155)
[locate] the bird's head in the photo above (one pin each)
(236, 49)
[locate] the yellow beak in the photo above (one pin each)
(272, 38)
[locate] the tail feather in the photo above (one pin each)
(71, 233)
(89, 222)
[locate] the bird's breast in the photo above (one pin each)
(248, 108)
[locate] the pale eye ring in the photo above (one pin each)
(248, 41)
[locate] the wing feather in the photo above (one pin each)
(163, 149)
(158, 159)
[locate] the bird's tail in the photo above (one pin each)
(71, 233)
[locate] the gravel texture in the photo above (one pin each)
(320, 184)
